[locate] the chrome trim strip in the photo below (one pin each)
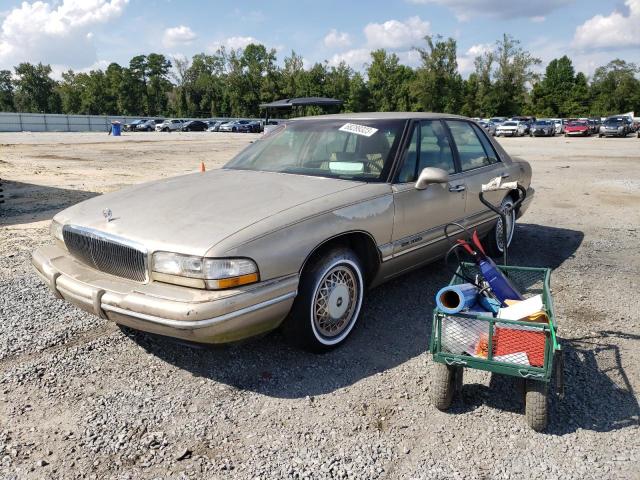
(430, 242)
(193, 324)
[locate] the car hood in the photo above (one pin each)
(192, 213)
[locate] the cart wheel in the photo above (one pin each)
(536, 404)
(446, 381)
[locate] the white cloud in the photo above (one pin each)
(396, 34)
(234, 43)
(355, 58)
(618, 30)
(538, 19)
(58, 34)
(336, 39)
(466, 9)
(178, 36)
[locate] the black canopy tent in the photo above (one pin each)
(290, 103)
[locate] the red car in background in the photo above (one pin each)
(579, 127)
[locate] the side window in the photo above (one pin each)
(435, 150)
(488, 148)
(409, 165)
(471, 152)
(429, 147)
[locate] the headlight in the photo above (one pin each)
(55, 229)
(199, 272)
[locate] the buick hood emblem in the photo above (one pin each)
(107, 214)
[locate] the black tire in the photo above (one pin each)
(306, 325)
(493, 241)
(446, 381)
(165, 129)
(536, 408)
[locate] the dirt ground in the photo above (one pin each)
(80, 398)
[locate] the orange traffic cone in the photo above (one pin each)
(202, 167)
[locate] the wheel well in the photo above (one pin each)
(361, 243)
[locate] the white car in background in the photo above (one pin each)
(171, 125)
(559, 124)
(511, 128)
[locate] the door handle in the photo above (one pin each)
(457, 188)
(505, 175)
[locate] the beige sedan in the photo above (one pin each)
(292, 232)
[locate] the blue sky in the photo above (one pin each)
(85, 34)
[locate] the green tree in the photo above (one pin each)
(389, 82)
(549, 97)
(359, 98)
(615, 88)
(157, 71)
(35, 89)
(514, 70)
(6, 92)
(438, 85)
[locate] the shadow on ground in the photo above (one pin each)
(598, 393)
(395, 327)
(28, 202)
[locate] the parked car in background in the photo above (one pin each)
(170, 125)
(542, 128)
(132, 125)
(489, 127)
(577, 128)
(240, 126)
(194, 126)
(256, 126)
(510, 129)
(527, 122)
(594, 125)
(306, 220)
(497, 121)
(559, 125)
(614, 127)
(149, 125)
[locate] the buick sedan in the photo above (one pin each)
(291, 233)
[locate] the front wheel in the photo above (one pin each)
(494, 241)
(328, 303)
(446, 381)
(536, 405)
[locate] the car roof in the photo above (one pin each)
(382, 116)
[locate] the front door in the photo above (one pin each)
(420, 215)
(480, 164)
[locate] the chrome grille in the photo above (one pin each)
(106, 253)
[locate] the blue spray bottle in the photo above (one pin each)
(501, 286)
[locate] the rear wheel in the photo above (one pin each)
(494, 241)
(329, 301)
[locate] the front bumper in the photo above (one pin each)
(579, 133)
(191, 314)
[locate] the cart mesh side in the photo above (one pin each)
(478, 340)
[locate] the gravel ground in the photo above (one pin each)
(81, 398)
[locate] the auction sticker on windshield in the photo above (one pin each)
(358, 129)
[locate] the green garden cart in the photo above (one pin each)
(528, 350)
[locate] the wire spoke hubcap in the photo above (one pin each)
(335, 301)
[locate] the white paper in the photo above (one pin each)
(522, 309)
(520, 358)
(358, 129)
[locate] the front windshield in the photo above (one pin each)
(510, 124)
(543, 123)
(352, 150)
(613, 122)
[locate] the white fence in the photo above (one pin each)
(54, 122)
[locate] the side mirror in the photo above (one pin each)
(431, 175)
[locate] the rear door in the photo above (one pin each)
(479, 164)
(420, 215)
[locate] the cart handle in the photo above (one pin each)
(452, 362)
(525, 374)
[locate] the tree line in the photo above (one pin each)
(233, 83)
